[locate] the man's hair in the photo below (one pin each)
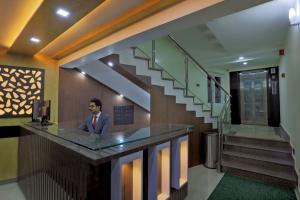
(97, 102)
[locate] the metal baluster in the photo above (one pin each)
(153, 54)
(186, 62)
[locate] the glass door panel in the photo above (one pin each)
(253, 87)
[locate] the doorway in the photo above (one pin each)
(253, 100)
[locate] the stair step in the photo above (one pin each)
(260, 177)
(198, 104)
(178, 88)
(151, 68)
(167, 79)
(263, 144)
(253, 146)
(282, 161)
(142, 58)
(275, 155)
(261, 167)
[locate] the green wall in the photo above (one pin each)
(289, 90)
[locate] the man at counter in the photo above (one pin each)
(97, 122)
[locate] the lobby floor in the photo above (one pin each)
(202, 182)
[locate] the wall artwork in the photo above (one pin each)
(19, 86)
(123, 115)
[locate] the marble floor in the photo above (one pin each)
(256, 131)
(11, 191)
(202, 182)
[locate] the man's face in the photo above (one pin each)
(93, 108)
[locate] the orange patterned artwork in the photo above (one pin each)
(19, 86)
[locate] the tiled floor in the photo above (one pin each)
(11, 191)
(202, 182)
(255, 131)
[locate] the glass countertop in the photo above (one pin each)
(96, 142)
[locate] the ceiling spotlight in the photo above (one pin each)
(83, 72)
(62, 12)
(121, 95)
(35, 40)
(245, 63)
(110, 64)
(241, 58)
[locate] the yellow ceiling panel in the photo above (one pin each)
(15, 14)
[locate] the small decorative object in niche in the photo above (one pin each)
(123, 115)
(19, 86)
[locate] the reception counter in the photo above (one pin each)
(56, 162)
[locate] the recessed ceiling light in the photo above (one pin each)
(241, 58)
(82, 72)
(110, 64)
(35, 40)
(121, 95)
(245, 63)
(62, 12)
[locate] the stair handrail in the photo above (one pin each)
(197, 63)
(148, 57)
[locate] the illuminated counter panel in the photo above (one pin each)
(159, 171)
(126, 177)
(179, 162)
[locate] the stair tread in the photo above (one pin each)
(155, 69)
(231, 134)
(256, 146)
(139, 57)
(169, 79)
(288, 161)
(175, 87)
(261, 170)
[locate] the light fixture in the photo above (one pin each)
(241, 58)
(110, 64)
(62, 12)
(82, 72)
(245, 63)
(293, 17)
(121, 95)
(35, 40)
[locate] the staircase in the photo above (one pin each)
(159, 77)
(266, 160)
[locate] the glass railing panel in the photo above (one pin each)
(173, 61)
(144, 50)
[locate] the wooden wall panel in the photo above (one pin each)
(165, 110)
(75, 91)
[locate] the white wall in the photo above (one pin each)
(290, 90)
(117, 82)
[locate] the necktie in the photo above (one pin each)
(94, 121)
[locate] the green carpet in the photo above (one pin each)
(237, 188)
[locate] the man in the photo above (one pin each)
(98, 122)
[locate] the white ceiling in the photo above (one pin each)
(256, 33)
